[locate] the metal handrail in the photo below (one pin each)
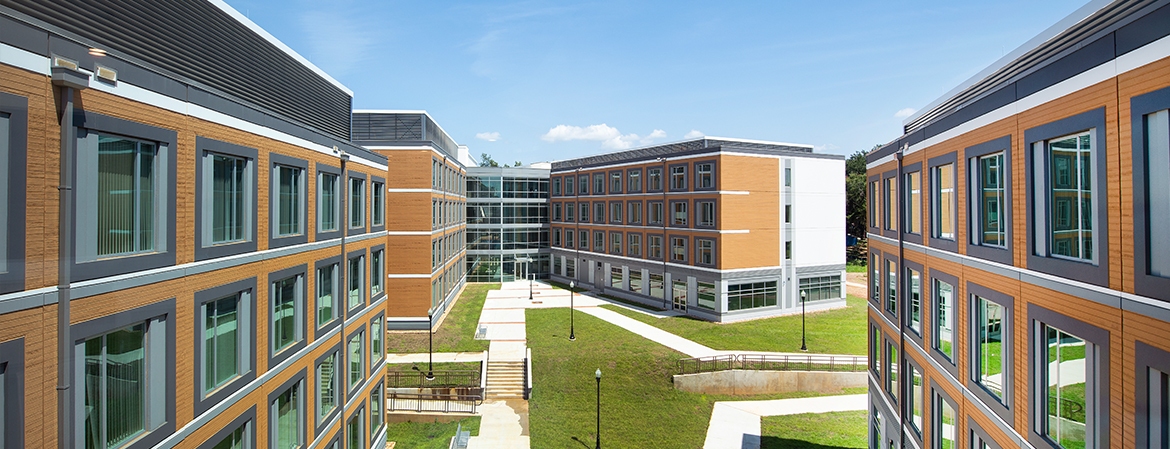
(443, 379)
(772, 362)
(425, 402)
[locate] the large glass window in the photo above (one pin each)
(654, 179)
(357, 361)
(286, 307)
(751, 295)
(615, 212)
(678, 249)
(942, 211)
(875, 347)
(1069, 197)
(889, 203)
(377, 271)
(820, 287)
(1066, 371)
(378, 201)
(635, 215)
(636, 281)
(707, 295)
(944, 318)
(230, 197)
(634, 245)
(599, 212)
(126, 188)
(634, 181)
(892, 364)
(678, 177)
(286, 419)
(326, 293)
(1157, 179)
(584, 212)
(238, 439)
(655, 212)
(915, 300)
(705, 176)
(706, 214)
(704, 252)
(328, 206)
(353, 431)
(289, 200)
(679, 215)
(654, 246)
(873, 204)
(121, 398)
(657, 286)
(875, 277)
(222, 355)
(599, 241)
(356, 280)
(583, 181)
(892, 287)
(327, 385)
(988, 348)
(357, 203)
(569, 185)
(946, 429)
(917, 398)
(615, 182)
(913, 206)
(556, 187)
(598, 183)
(616, 279)
(376, 409)
(584, 240)
(615, 243)
(990, 202)
(377, 349)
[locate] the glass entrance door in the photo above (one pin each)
(679, 290)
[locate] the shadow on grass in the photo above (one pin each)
(770, 442)
(634, 304)
(582, 443)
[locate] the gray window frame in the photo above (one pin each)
(905, 194)
(661, 247)
(599, 243)
(619, 208)
(650, 216)
(1097, 416)
(1005, 407)
(631, 175)
(13, 154)
(363, 285)
(1146, 357)
(583, 184)
(379, 319)
(699, 213)
(630, 237)
(381, 277)
(698, 250)
(297, 380)
(630, 207)
(247, 420)
(714, 182)
(12, 415)
(166, 390)
(908, 265)
(378, 185)
(936, 239)
(275, 358)
(352, 388)
(338, 315)
(683, 185)
(247, 341)
(949, 364)
(204, 247)
(1096, 271)
(599, 206)
(686, 242)
(86, 264)
(361, 209)
(937, 395)
(616, 238)
(596, 177)
(616, 175)
(1003, 254)
(977, 434)
(889, 218)
(650, 171)
(1145, 283)
(556, 186)
(321, 424)
(686, 214)
(275, 241)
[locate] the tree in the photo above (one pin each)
(855, 200)
(485, 160)
(517, 164)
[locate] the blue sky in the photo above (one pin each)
(537, 81)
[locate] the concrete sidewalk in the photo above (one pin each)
(439, 357)
(736, 424)
(652, 333)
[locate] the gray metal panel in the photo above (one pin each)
(687, 148)
(196, 41)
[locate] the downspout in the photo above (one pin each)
(343, 267)
(901, 306)
(69, 81)
(665, 239)
(577, 225)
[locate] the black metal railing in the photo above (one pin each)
(429, 402)
(772, 362)
(443, 379)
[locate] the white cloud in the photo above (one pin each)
(490, 137)
(693, 134)
(345, 46)
(609, 136)
(828, 147)
(905, 112)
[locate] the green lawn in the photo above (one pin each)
(560, 286)
(428, 435)
(814, 430)
(839, 331)
(639, 406)
(455, 334)
(854, 267)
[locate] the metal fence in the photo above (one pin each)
(429, 402)
(772, 362)
(443, 379)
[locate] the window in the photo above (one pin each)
(678, 249)
(875, 277)
(892, 290)
(584, 212)
(989, 208)
(13, 156)
(286, 312)
(328, 205)
(704, 252)
(556, 187)
(584, 182)
(225, 352)
(875, 429)
(615, 182)
(1152, 379)
(289, 207)
(678, 177)
(615, 212)
(1151, 186)
(569, 185)
(237, 439)
(556, 212)
(875, 344)
(599, 241)
(571, 267)
(946, 424)
(569, 238)
(377, 349)
(654, 246)
(679, 215)
(1069, 380)
(657, 286)
(326, 293)
(12, 393)
(634, 179)
(376, 410)
(787, 213)
(121, 390)
(679, 293)
(654, 179)
(705, 176)
(892, 364)
(889, 203)
(873, 204)
(787, 177)
(569, 208)
(556, 237)
(1066, 372)
(706, 216)
(615, 243)
(599, 212)
(227, 184)
(615, 277)
(286, 416)
(357, 361)
(655, 212)
(128, 207)
(707, 295)
(944, 319)
(913, 206)
(327, 385)
(1067, 201)
(988, 348)
(787, 250)
(942, 211)
(377, 275)
(635, 215)
(353, 431)
(820, 287)
(378, 202)
(636, 281)
(751, 295)
(356, 279)
(634, 245)
(915, 293)
(598, 183)
(917, 398)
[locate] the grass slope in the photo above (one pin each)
(839, 331)
(456, 334)
(814, 430)
(639, 406)
(428, 435)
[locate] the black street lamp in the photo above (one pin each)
(572, 333)
(430, 344)
(530, 276)
(598, 375)
(803, 294)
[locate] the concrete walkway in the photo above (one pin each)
(439, 357)
(690, 348)
(736, 424)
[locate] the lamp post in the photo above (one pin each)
(598, 375)
(530, 276)
(572, 334)
(430, 344)
(803, 294)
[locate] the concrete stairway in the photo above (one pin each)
(505, 380)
